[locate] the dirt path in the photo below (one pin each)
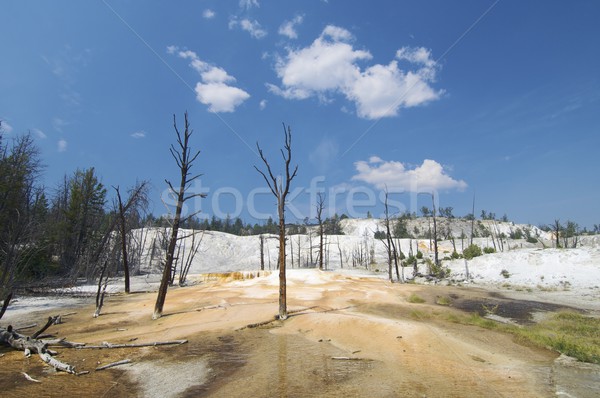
(397, 348)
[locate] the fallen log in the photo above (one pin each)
(30, 378)
(30, 346)
(112, 365)
(51, 321)
(136, 345)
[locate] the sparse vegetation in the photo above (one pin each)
(472, 251)
(505, 273)
(569, 333)
(415, 299)
(443, 300)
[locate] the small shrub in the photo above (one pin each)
(472, 251)
(419, 255)
(443, 300)
(380, 235)
(531, 239)
(415, 299)
(455, 255)
(489, 250)
(505, 273)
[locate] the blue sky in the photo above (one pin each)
(497, 99)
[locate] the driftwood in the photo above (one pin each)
(34, 344)
(137, 345)
(30, 378)
(112, 365)
(51, 321)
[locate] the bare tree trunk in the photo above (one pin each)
(187, 260)
(5, 304)
(262, 252)
(320, 207)
(280, 190)
(340, 251)
(435, 239)
(473, 220)
(184, 160)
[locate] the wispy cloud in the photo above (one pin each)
(428, 177)
(262, 105)
(66, 66)
(288, 28)
(39, 134)
(139, 134)
(208, 14)
(324, 154)
(330, 65)
(252, 27)
(248, 4)
(5, 127)
(214, 89)
(62, 145)
(59, 124)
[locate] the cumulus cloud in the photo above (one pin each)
(428, 177)
(62, 145)
(330, 65)
(208, 14)
(288, 28)
(252, 27)
(139, 134)
(214, 89)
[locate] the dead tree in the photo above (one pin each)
(138, 197)
(340, 252)
(557, 228)
(319, 207)
(184, 159)
(188, 257)
(280, 190)
(35, 345)
(435, 237)
(262, 252)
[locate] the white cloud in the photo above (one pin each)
(330, 65)
(417, 55)
(247, 4)
(62, 145)
(288, 28)
(214, 89)
(139, 134)
(220, 97)
(324, 154)
(252, 27)
(5, 127)
(39, 134)
(262, 105)
(428, 177)
(59, 124)
(208, 14)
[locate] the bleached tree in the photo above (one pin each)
(280, 187)
(185, 159)
(320, 206)
(137, 200)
